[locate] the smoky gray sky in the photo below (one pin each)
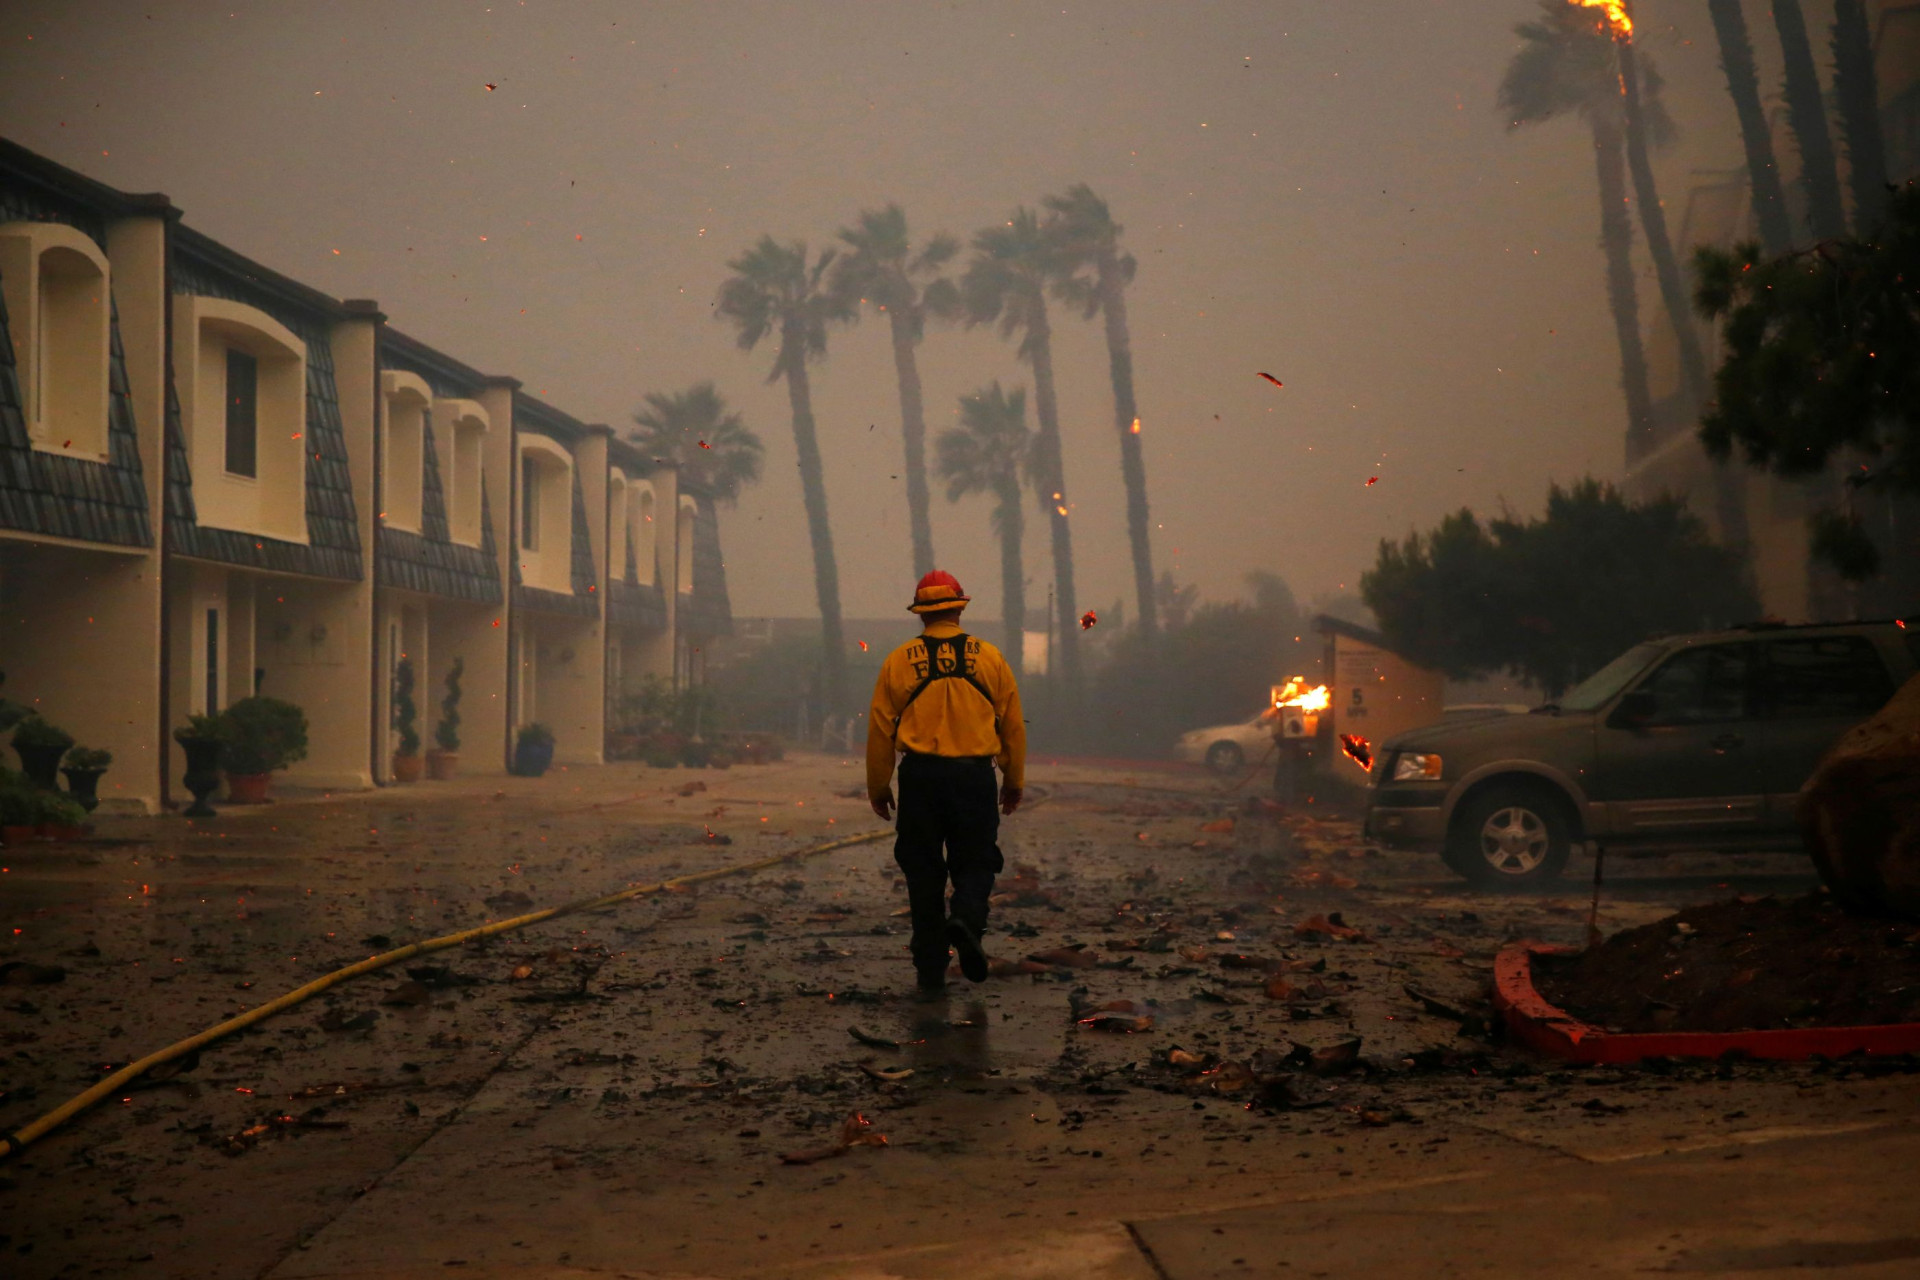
(1322, 191)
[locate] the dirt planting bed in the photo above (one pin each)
(1743, 965)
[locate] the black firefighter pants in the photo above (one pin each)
(951, 801)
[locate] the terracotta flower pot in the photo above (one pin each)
(61, 831)
(442, 765)
(248, 788)
(17, 835)
(407, 768)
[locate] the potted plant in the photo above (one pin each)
(58, 818)
(442, 763)
(83, 769)
(202, 738)
(40, 744)
(261, 735)
(406, 717)
(532, 751)
(19, 808)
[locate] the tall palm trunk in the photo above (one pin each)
(1859, 95)
(1013, 586)
(1807, 113)
(913, 432)
(1053, 491)
(1653, 221)
(1133, 462)
(1743, 83)
(813, 488)
(1616, 239)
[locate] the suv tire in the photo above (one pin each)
(1509, 838)
(1225, 757)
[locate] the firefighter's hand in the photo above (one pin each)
(1010, 798)
(883, 805)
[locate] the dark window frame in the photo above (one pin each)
(1861, 647)
(529, 503)
(1749, 691)
(243, 414)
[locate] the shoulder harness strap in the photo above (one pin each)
(954, 650)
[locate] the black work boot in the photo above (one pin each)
(966, 945)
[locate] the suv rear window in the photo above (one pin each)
(1825, 676)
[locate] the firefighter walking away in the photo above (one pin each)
(946, 703)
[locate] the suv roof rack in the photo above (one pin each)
(1773, 624)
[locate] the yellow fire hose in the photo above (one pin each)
(13, 1143)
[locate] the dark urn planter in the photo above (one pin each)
(203, 773)
(531, 759)
(41, 764)
(83, 786)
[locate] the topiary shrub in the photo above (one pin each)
(88, 758)
(406, 716)
(35, 731)
(446, 734)
(260, 735)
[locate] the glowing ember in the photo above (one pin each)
(1275, 381)
(1618, 22)
(1087, 620)
(1358, 750)
(1371, 481)
(862, 644)
(1136, 426)
(705, 445)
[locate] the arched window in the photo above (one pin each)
(242, 380)
(59, 312)
(403, 467)
(617, 526)
(459, 433)
(545, 515)
(640, 506)
(683, 541)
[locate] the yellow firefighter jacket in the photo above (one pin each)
(972, 711)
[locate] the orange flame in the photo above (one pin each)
(1296, 694)
(1618, 20)
(1358, 750)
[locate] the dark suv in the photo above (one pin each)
(1684, 743)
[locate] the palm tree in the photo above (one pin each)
(774, 291)
(1647, 122)
(694, 430)
(989, 452)
(1006, 282)
(1859, 100)
(1090, 241)
(884, 270)
(1807, 113)
(1561, 68)
(1743, 83)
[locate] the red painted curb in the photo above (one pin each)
(1559, 1034)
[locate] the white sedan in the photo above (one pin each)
(1227, 747)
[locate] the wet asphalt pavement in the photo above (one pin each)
(614, 1093)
